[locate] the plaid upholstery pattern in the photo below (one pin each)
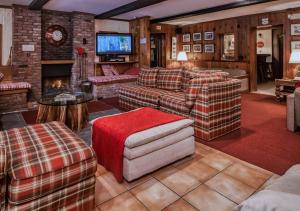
(169, 79)
(133, 103)
(2, 176)
(195, 85)
(107, 70)
(43, 148)
(14, 86)
(114, 70)
(147, 77)
(80, 196)
(98, 80)
(217, 109)
(174, 101)
(1, 76)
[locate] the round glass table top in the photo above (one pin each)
(66, 98)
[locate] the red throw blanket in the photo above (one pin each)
(110, 134)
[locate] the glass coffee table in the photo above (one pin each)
(68, 107)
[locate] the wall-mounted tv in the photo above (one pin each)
(109, 44)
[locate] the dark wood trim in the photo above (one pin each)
(5, 7)
(118, 19)
(38, 4)
(211, 10)
(128, 8)
(1, 43)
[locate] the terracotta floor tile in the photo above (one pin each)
(125, 201)
(203, 151)
(269, 181)
(216, 161)
(180, 205)
(199, 170)
(230, 187)
(154, 195)
(178, 181)
(100, 170)
(203, 198)
(190, 159)
(130, 185)
(247, 175)
(107, 187)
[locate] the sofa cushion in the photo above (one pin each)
(14, 86)
(169, 79)
(195, 85)
(147, 77)
(100, 80)
(150, 95)
(175, 101)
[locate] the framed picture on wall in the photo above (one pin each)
(295, 29)
(197, 48)
(209, 36)
(186, 48)
(197, 36)
(209, 48)
(295, 45)
(174, 48)
(186, 38)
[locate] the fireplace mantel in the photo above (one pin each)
(57, 62)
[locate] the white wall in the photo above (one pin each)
(6, 21)
(112, 26)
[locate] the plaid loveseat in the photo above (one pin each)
(47, 167)
(210, 98)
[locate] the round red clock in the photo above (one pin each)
(56, 35)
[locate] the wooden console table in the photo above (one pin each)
(284, 87)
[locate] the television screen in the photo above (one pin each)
(114, 44)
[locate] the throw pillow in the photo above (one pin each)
(147, 77)
(169, 79)
(133, 71)
(195, 86)
(114, 70)
(107, 70)
(1, 76)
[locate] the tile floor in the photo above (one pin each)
(209, 180)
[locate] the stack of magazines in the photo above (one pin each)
(64, 97)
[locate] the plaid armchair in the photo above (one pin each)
(293, 111)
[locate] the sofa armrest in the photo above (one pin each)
(3, 176)
(290, 113)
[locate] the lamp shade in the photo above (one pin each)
(295, 57)
(182, 56)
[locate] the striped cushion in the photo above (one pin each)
(107, 70)
(195, 85)
(98, 80)
(14, 86)
(1, 76)
(169, 79)
(147, 77)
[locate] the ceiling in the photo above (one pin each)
(163, 9)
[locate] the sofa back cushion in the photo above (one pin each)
(169, 79)
(147, 77)
(195, 85)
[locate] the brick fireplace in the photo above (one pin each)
(29, 29)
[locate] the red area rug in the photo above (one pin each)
(94, 106)
(263, 139)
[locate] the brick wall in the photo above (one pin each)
(27, 30)
(63, 19)
(83, 27)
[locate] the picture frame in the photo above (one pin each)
(174, 48)
(295, 29)
(295, 45)
(209, 35)
(186, 48)
(209, 48)
(197, 36)
(186, 38)
(197, 48)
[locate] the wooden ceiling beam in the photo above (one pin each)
(128, 8)
(211, 10)
(38, 4)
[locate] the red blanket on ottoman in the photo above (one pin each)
(110, 133)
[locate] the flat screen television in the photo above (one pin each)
(114, 44)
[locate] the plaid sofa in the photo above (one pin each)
(210, 98)
(48, 167)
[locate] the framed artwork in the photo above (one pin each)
(186, 38)
(209, 36)
(174, 48)
(197, 36)
(197, 48)
(209, 48)
(295, 29)
(295, 45)
(186, 48)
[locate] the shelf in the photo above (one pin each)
(57, 62)
(130, 62)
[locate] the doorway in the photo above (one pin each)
(158, 50)
(269, 58)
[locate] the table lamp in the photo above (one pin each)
(295, 59)
(182, 57)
